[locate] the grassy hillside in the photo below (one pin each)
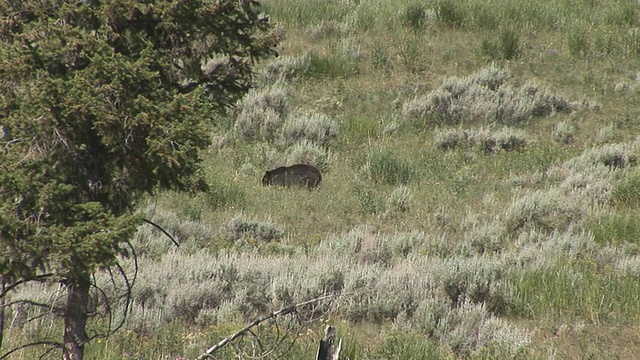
(480, 189)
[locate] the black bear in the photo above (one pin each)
(300, 175)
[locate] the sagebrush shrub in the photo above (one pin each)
(459, 329)
(430, 314)
(405, 243)
(564, 132)
(367, 247)
(330, 28)
(543, 103)
(274, 97)
(439, 107)
(308, 152)
(361, 240)
(152, 241)
(483, 98)
(612, 156)
(258, 124)
(239, 228)
(284, 68)
(591, 186)
(473, 279)
(491, 77)
(260, 114)
(315, 127)
(507, 139)
(449, 139)
(606, 135)
(591, 176)
(486, 239)
(193, 297)
(546, 211)
(489, 140)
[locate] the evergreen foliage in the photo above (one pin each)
(102, 103)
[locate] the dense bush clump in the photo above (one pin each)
(308, 152)
(564, 132)
(315, 127)
(612, 156)
(261, 113)
(240, 228)
(284, 68)
(483, 98)
(487, 140)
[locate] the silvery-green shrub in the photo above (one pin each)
(239, 228)
(612, 156)
(308, 152)
(489, 140)
(284, 68)
(260, 114)
(606, 134)
(547, 211)
(483, 98)
(564, 132)
(315, 127)
(449, 139)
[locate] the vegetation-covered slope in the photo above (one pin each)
(479, 196)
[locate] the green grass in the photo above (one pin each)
(616, 228)
(577, 292)
(331, 66)
(626, 193)
(383, 166)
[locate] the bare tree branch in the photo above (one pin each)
(161, 229)
(34, 303)
(38, 278)
(54, 344)
(128, 286)
(284, 311)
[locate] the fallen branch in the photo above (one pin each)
(283, 311)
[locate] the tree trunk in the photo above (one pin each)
(75, 318)
(328, 349)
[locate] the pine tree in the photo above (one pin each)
(104, 102)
